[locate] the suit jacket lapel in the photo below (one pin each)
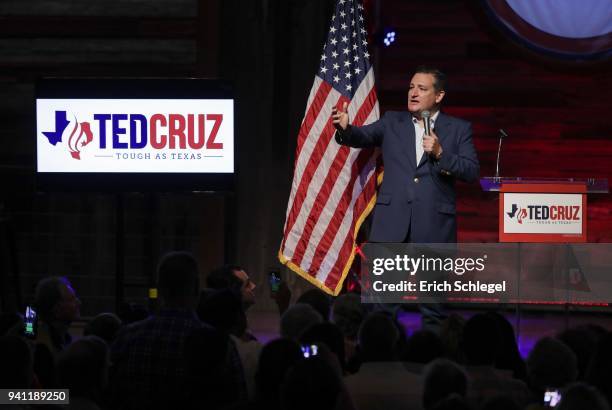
(407, 136)
(441, 127)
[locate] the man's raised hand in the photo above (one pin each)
(340, 118)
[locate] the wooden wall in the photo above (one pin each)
(268, 49)
(75, 234)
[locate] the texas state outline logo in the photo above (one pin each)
(78, 134)
(518, 213)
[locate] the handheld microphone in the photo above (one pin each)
(502, 135)
(426, 115)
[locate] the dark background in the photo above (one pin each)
(557, 115)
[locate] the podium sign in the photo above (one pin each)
(543, 210)
(542, 213)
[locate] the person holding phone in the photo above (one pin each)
(233, 277)
(57, 306)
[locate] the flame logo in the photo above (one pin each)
(80, 136)
(522, 215)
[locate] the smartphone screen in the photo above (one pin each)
(552, 397)
(275, 280)
(309, 350)
(30, 323)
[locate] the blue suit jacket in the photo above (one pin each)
(416, 198)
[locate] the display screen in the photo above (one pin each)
(135, 135)
(142, 133)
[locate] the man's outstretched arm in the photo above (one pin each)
(358, 137)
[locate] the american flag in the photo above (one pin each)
(334, 186)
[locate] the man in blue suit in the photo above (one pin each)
(416, 201)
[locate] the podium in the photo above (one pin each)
(547, 219)
(545, 209)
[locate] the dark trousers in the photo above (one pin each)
(432, 314)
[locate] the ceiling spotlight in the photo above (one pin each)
(388, 37)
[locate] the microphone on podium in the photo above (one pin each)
(502, 135)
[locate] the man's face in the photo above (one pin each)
(68, 308)
(248, 296)
(422, 94)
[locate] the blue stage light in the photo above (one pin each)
(389, 37)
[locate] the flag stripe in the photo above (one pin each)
(289, 226)
(334, 187)
(314, 90)
(331, 190)
(345, 231)
(312, 179)
(346, 206)
(333, 240)
(319, 92)
(321, 202)
(312, 113)
(363, 205)
(310, 157)
(328, 225)
(352, 220)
